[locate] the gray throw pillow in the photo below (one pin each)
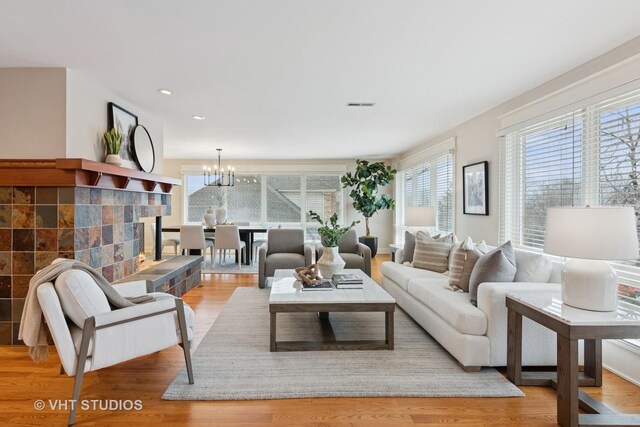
(409, 247)
(462, 259)
(498, 265)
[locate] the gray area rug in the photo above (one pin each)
(233, 361)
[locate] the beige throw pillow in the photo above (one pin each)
(462, 259)
(431, 254)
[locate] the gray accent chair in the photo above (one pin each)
(284, 249)
(355, 255)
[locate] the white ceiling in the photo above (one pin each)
(272, 77)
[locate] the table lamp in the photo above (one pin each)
(422, 216)
(590, 236)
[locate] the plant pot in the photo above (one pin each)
(210, 218)
(221, 215)
(113, 159)
(330, 262)
(371, 242)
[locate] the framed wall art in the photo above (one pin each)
(125, 121)
(475, 189)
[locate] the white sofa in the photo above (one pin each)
(475, 336)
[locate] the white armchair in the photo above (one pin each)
(110, 336)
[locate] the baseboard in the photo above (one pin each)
(622, 359)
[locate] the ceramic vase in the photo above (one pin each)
(113, 159)
(210, 218)
(221, 215)
(330, 262)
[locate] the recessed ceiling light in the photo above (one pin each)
(361, 104)
(165, 91)
(197, 117)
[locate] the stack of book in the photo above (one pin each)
(324, 286)
(347, 281)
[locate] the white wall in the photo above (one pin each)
(32, 113)
(476, 139)
(381, 224)
(87, 120)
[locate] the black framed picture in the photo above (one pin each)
(125, 121)
(475, 189)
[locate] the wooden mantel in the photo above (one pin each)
(80, 173)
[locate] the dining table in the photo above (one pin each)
(247, 233)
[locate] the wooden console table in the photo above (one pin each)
(571, 325)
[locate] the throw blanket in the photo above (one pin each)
(32, 327)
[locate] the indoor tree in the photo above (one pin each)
(365, 182)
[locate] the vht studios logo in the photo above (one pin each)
(88, 405)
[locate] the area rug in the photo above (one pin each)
(229, 267)
(233, 361)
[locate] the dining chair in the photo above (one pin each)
(228, 237)
(257, 243)
(192, 237)
(165, 242)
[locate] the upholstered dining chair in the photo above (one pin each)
(89, 335)
(285, 249)
(355, 255)
(228, 237)
(192, 237)
(165, 242)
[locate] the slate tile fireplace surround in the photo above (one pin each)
(70, 208)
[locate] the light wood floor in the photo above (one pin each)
(22, 382)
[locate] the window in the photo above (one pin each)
(428, 184)
(587, 156)
(269, 199)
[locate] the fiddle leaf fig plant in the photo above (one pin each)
(112, 141)
(331, 232)
(365, 182)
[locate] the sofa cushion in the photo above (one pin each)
(431, 254)
(402, 274)
(498, 265)
(462, 259)
(80, 296)
(532, 267)
(283, 261)
(453, 307)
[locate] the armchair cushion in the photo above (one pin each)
(283, 261)
(349, 243)
(285, 240)
(80, 296)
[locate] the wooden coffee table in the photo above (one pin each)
(288, 297)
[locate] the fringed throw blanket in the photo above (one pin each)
(32, 327)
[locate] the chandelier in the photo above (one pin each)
(217, 177)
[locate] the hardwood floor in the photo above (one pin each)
(23, 382)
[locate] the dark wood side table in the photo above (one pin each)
(571, 325)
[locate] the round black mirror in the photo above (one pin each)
(143, 151)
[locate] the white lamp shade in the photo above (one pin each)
(601, 233)
(423, 216)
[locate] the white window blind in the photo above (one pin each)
(428, 184)
(587, 156)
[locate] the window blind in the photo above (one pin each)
(587, 156)
(429, 183)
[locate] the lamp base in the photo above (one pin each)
(589, 285)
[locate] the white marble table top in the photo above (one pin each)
(286, 289)
(550, 303)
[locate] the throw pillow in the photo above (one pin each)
(431, 254)
(409, 247)
(532, 267)
(80, 296)
(462, 259)
(498, 265)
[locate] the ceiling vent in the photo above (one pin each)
(361, 104)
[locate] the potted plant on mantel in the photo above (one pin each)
(112, 142)
(364, 183)
(331, 232)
